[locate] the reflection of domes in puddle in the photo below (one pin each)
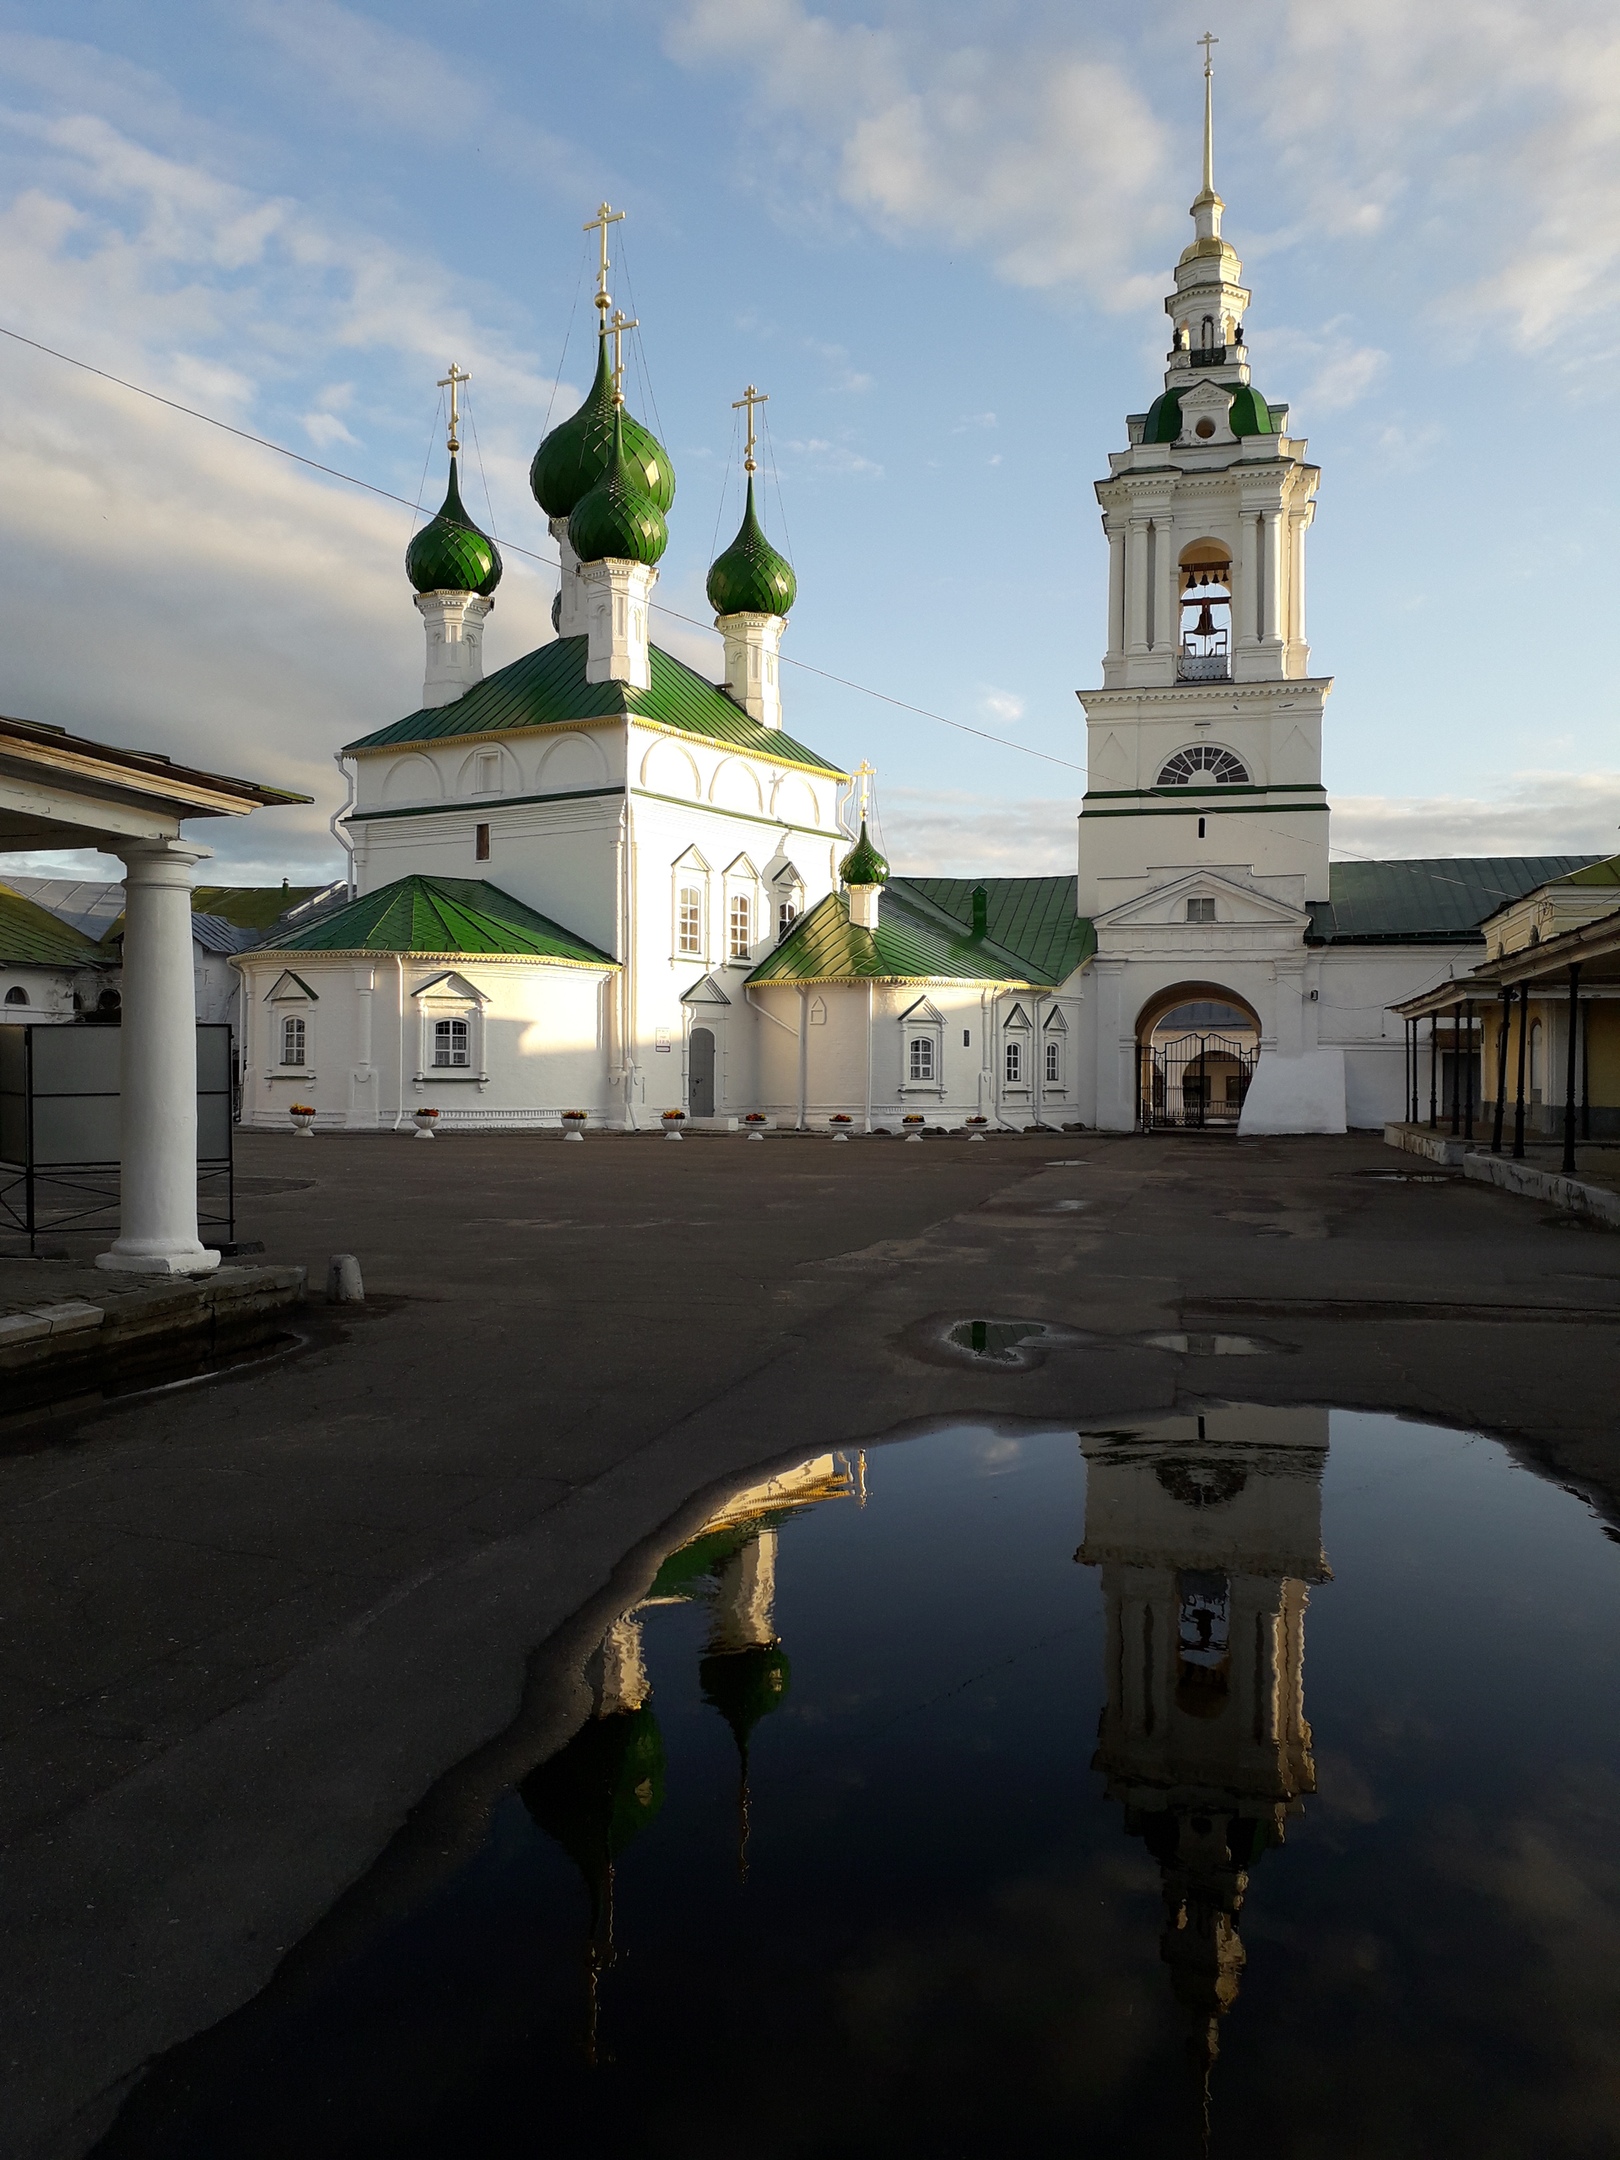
(601, 1790)
(746, 1685)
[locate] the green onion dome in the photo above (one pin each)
(575, 454)
(615, 519)
(450, 554)
(601, 1790)
(750, 578)
(863, 865)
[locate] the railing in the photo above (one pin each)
(1208, 356)
(1204, 659)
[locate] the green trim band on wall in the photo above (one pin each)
(1169, 794)
(494, 802)
(1282, 809)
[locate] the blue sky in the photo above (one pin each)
(939, 236)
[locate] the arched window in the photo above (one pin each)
(922, 1057)
(689, 919)
(1054, 1061)
(1015, 1063)
(292, 1039)
(786, 916)
(1204, 765)
(742, 926)
(16, 995)
(452, 1043)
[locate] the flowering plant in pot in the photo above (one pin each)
(673, 1121)
(423, 1121)
(303, 1117)
(756, 1122)
(913, 1117)
(573, 1124)
(976, 1121)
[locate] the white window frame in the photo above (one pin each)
(449, 996)
(689, 934)
(922, 1027)
(690, 870)
(740, 913)
(289, 997)
(1053, 1056)
(1201, 908)
(1017, 1042)
(445, 1044)
(286, 1023)
(742, 882)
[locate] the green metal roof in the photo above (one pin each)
(913, 942)
(1034, 918)
(1434, 900)
(1606, 872)
(444, 917)
(31, 936)
(450, 553)
(547, 688)
(1249, 413)
(250, 907)
(750, 577)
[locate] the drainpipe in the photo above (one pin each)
(871, 993)
(627, 895)
(399, 1121)
(335, 823)
(804, 1053)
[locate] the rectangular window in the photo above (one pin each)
(689, 919)
(786, 916)
(452, 1043)
(1015, 1064)
(922, 1057)
(292, 1040)
(1200, 911)
(489, 772)
(481, 844)
(742, 916)
(1054, 1061)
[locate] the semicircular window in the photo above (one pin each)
(1202, 766)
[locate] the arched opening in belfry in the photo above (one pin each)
(1196, 1048)
(1204, 641)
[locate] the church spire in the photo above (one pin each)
(1207, 207)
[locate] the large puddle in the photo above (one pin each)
(1242, 1783)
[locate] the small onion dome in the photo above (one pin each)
(615, 520)
(863, 865)
(745, 1686)
(450, 554)
(575, 454)
(750, 578)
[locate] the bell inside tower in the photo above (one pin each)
(1204, 649)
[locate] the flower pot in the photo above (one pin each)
(303, 1124)
(673, 1132)
(424, 1126)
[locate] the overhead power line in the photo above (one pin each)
(511, 547)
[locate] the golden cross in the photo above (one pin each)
(604, 217)
(746, 403)
(453, 382)
(620, 323)
(1208, 40)
(864, 776)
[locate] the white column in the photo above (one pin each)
(1246, 599)
(1270, 576)
(363, 1087)
(157, 1229)
(1116, 598)
(752, 645)
(1136, 587)
(1166, 610)
(1299, 657)
(617, 595)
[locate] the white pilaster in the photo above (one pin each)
(1271, 577)
(616, 596)
(1136, 587)
(157, 1221)
(363, 1086)
(1115, 654)
(455, 644)
(571, 612)
(753, 643)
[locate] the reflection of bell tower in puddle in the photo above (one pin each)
(746, 1672)
(1207, 1531)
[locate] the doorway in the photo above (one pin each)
(700, 1073)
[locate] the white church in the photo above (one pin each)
(593, 880)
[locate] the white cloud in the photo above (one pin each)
(1532, 813)
(832, 456)
(1003, 705)
(1047, 161)
(936, 832)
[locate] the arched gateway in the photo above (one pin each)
(1196, 1047)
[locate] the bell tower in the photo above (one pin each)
(1205, 740)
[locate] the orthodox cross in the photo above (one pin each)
(864, 776)
(746, 403)
(453, 382)
(1208, 40)
(604, 217)
(620, 323)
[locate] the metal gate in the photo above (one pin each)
(1194, 1081)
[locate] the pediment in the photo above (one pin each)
(1209, 402)
(1017, 1018)
(705, 991)
(1055, 1024)
(922, 1013)
(450, 988)
(290, 989)
(1165, 907)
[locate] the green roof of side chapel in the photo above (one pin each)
(750, 577)
(575, 455)
(446, 918)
